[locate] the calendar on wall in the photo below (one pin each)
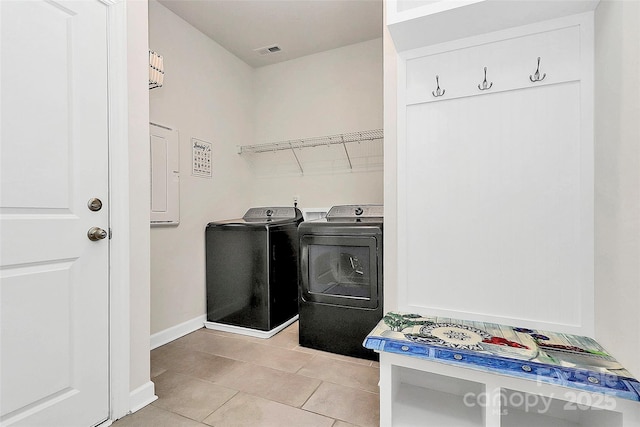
(201, 155)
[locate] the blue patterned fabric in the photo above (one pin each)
(562, 359)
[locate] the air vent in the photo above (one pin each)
(268, 50)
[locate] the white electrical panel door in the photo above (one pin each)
(165, 176)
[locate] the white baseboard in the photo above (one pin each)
(177, 331)
(142, 396)
(247, 331)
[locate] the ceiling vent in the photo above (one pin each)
(268, 50)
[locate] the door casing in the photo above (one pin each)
(119, 220)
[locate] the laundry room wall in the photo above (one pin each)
(207, 94)
(332, 92)
(212, 95)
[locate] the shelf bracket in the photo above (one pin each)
(346, 152)
(296, 157)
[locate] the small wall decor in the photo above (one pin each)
(536, 76)
(156, 70)
(484, 85)
(438, 92)
(201, 156)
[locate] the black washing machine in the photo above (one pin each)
(340, 299)
(252, 271)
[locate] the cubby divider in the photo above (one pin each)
(415, 391)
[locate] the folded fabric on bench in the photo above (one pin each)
(563, 359)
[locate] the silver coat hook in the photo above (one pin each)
(484, 85)
(536, 76)
(438, 92)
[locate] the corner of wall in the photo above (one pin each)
(617, 180)
(390, 59)
(139, 188)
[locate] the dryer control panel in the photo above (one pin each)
(356, 211)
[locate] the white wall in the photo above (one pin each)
(207, 94)
(329, 93)
(617, 175)
(138, 134)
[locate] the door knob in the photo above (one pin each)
(96, 233)
(94, 204)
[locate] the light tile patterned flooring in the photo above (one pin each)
(213, 378)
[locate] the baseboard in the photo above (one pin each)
(177, 331)
(142, 396)
(247, 331)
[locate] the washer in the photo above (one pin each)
(340, 297)
(252, 271)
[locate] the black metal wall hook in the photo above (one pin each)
(484, 85)
(536, 76)
(438, 92)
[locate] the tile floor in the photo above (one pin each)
(213, 378)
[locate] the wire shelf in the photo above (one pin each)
(365, 135)
(293, 144)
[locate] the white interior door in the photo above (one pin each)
(54, 289)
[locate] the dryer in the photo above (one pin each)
(341, 292)
(252, 271)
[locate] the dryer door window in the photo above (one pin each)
(341, 270)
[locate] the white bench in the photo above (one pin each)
(448, 372)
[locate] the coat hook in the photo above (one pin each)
(484, 85)
(438, 92)
(536, 76)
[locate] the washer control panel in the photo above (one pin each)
(269, 213)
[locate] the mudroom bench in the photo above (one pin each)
(437, 371)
